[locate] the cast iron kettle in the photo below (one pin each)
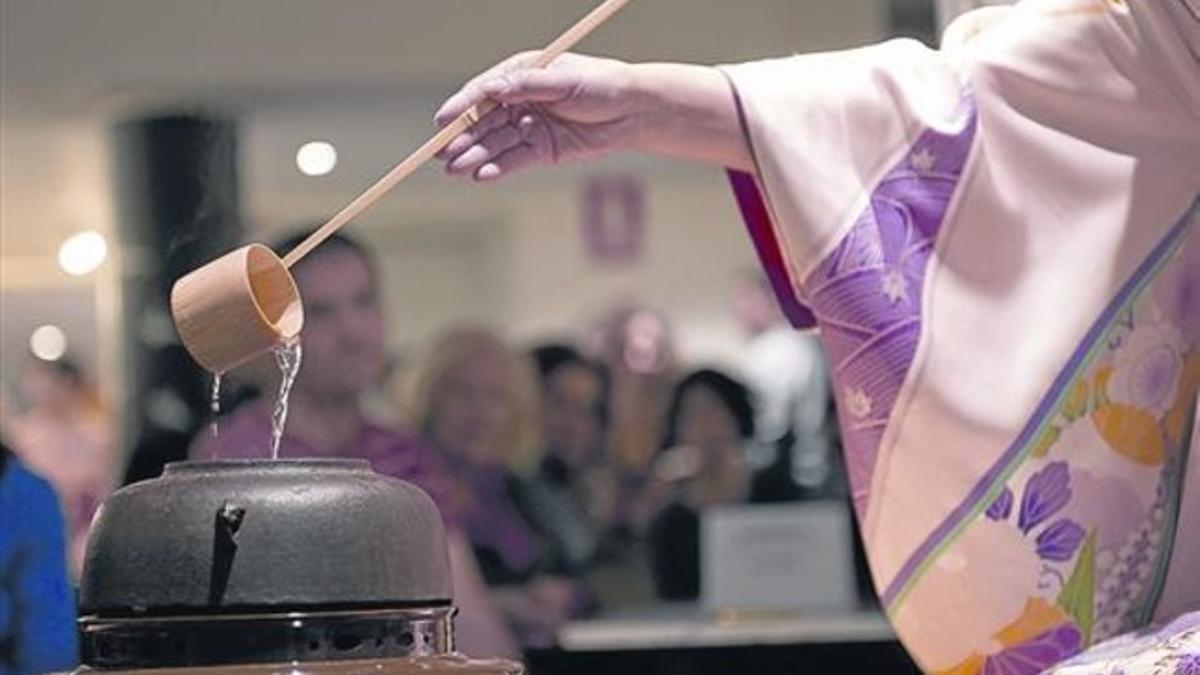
(310, 565)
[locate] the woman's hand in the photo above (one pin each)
(581, 106)
(578, 107)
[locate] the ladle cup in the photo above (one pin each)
(236, 307)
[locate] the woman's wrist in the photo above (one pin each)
(687, 111)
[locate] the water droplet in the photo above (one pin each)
(215, 403)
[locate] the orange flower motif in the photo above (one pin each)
(1039, 616)
(1038, 619)
(972, 665)
(1131, 431)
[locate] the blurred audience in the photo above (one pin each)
(789, 376)
(474, 400)
(343, 357)
(569, 492)
(37, 609)
(703, 464)
(635, 346)
(64, 434)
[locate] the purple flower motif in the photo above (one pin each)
(1000, 508)
(1046, 492)
(1178, 291)
(1059, 541)
(1155, 377)
(1188, 664)
(1034, 656)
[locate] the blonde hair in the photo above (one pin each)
(447, 352)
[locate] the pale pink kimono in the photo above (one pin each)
(1000, 244)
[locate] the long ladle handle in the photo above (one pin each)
(431, 147)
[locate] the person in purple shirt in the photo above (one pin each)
(474, 400)
(344, 357)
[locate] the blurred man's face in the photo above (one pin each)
(706, 423)
(571, 412)
(343, 332)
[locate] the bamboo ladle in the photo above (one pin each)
(244, 303)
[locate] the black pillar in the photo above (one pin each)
(177, 207)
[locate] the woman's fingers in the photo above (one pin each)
(536, 147)
(472, 92)
(576, 107)
(485, 149)
(495, 119)
(510, 161)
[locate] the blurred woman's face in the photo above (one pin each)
(571, 412)
(706, 423)
(472, 411)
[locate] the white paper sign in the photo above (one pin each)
(777, 557)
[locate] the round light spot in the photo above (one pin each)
(82, 253)
(48, 342)
(316, 158)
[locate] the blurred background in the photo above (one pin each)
(140, 138)
(365, 77)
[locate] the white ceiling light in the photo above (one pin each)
(316, 158)
(48, 342)
(82, 253)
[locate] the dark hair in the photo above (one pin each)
(337, 240)
(550, 357)
(733, 394)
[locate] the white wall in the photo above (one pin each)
(694, 248)
(54, 182)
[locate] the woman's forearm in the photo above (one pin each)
(689, 112)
